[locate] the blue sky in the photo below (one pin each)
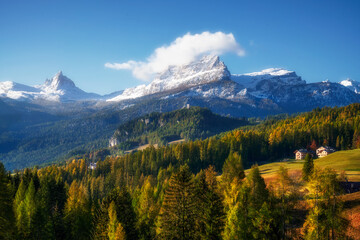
(317, 39)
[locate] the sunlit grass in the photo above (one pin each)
(348, 161)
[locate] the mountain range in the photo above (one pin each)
(205, 83)
(56, 120)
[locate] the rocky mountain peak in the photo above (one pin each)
(59, 82)
(207, 69)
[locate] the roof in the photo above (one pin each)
(302, 151)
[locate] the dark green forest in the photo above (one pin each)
(193, 190)
(161, 128)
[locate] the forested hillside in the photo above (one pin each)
(161, 128)
(141, 195)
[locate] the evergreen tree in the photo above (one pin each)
(233, 168)
(30, 207)
(324, 220)
(77, 212)
(285, 190)
(308, 167)
(6, 209)
(252, 217)
(124, 210)
(115, 229)
(210, 205)
(178, 211)
(258, 193)
(147, 210)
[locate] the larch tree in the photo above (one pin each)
(77, 212)
(115, 229)
(324, 220)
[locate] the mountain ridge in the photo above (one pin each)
(207, 72)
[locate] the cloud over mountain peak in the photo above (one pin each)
(183, 50)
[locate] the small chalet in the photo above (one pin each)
(92, 166)
(301, 153)
(324, 151)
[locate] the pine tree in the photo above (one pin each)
(258, 193)
(233, 168)
(210, 205)
(6, 210)
(178, 211)
(308, 167)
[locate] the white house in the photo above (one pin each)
(324, 151)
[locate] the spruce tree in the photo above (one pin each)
(233, 168)
(6, 210)
(308, 167)
(178, 212)
(210, 205)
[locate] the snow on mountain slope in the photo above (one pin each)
(64, 89)
(59, 88)
(207, 70)
(272, 77)
(351, 84)
(17, 91)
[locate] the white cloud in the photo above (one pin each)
(183, 50)
(119, 66)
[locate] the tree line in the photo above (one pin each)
(177, 192)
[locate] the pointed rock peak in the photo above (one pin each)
(59, 81)
(59, 74)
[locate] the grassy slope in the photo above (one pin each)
(348, 161)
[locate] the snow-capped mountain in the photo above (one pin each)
(17, 91)
(62, 88)
(208, 83)
(58, 88)
(351, 84)
(207, 70)
(198, 75)
(205, 83)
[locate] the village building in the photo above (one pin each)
(92, 166)
(301, 153)
(324, 151)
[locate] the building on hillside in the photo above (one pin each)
(92, 166)
(324, 151)
(301, 153)
(113, 142)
